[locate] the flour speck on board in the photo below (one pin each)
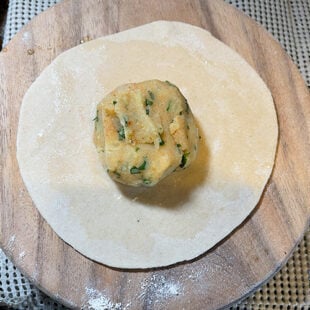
(158, 289)
(99, 301)
(27, 38)
(22, 255)
(11, 242)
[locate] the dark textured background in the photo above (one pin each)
(3, 10)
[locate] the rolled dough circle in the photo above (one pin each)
(188, 212)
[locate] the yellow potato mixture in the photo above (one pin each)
(144, 131)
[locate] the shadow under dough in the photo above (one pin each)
(177, 188)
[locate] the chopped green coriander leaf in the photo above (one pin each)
(151, 94)
(181, 113)
(142, 167)
(136, 170)
(114, 102)
(184, 160)
(179, 145)
(168, 106)
(200, 137)
(125, 120)
(121, 133)
(96, 119)
(170, 84)
(148, 102)
(161, 141)
(137, 149)
(187, 106)
(147, 181)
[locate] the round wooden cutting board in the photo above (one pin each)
(233, 268)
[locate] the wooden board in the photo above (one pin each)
(233, 268)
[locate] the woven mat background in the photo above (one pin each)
(289, 22)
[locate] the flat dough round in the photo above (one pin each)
(188, 212)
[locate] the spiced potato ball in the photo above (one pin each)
(145, 131)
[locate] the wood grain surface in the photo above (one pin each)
(233, 268)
